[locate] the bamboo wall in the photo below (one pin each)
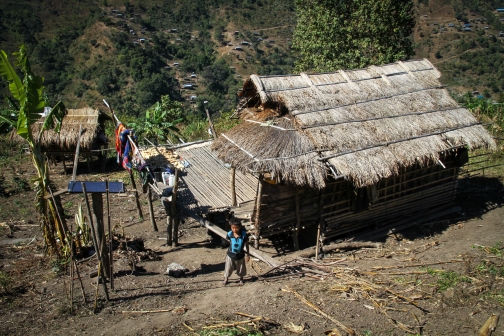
(415, 191)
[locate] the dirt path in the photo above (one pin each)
(462, 291)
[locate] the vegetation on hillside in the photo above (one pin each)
(195, 51)
(332, 35)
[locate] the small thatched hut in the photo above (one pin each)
(350, 150)
(65, 143)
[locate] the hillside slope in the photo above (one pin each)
(132, 53)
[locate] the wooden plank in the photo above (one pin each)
(221, 233)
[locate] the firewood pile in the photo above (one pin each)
(159, 157)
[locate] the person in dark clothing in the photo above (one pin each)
(235, 256)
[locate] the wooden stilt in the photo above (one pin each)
(174, 212)
(295, 234)
(169, 230)
(233, 186)
(151, 209)
(258, 211)
(133, 184)
(64, 165)
(317, 247)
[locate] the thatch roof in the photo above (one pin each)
(92, 122)
(363, 124)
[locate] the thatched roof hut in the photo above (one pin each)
(363, 124)
(93, 124)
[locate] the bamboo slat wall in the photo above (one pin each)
(414, 191)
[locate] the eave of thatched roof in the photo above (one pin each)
(365, 123)
(92, 122)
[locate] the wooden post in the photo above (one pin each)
(133, 184)
(317, 247)
(174, 214)
(99, 225)
(151, 209)
(169, 230)
(295, 235)
(111, 254)
(64, 164)
(233, 186)
(258, 211)
(320, 222)
(211, 124)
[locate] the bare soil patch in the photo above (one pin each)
(441, 278)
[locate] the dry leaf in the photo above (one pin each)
(294, 328)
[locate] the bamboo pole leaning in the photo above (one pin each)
(97, 246)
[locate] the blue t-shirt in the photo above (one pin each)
(236, 245)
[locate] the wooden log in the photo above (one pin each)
(310, 252)
(233, 186)
(174, 215)
(258, 211)
(490, 325)
(295, 235)
(137, 200)
(151, 210)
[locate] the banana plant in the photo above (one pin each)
(28, 94)
(160, 121)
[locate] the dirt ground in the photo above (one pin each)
(442, 278)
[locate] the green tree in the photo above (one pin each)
(28, 93)
(332, 35)
(160, 121)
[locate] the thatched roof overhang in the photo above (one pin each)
(366, 123)
(281, 151)
(92, 122)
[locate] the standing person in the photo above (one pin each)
(235, 256)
